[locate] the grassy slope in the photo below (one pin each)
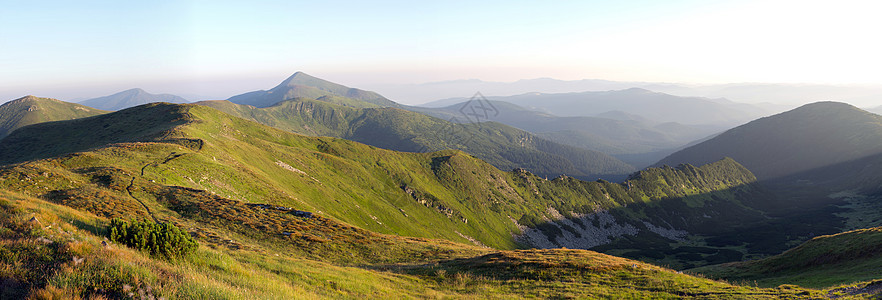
(824, 261)
(231, 162)
(446, 194)
(390, 128)
(60, 256)
(32, 110)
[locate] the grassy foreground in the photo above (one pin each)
(53, 251)
(844, 258)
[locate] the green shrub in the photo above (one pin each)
(158, 239)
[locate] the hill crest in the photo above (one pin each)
(812, 136)
(30, 110)
(302, 85)
(130, 98)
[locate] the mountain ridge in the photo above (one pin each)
(397, 129)
(276, 204)
(301, 85)
(615, 133)
(130, 98)
(30, 110)
(656, 106)
(811, 136)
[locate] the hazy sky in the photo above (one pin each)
(73, 49)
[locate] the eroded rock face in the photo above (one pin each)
(580, 232)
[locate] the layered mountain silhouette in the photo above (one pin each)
(301, 85)
(391, 128)
(346, 211)
(810, 137)
(32, 110)
(323, 108)
(634, 139)
(655, 106)
(277, 203)
(130, 98)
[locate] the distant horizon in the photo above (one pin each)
(73, 50)
(81, 93)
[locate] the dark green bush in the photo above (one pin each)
(158, 239)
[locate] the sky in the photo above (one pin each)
(216, 49)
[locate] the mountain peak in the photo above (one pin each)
(827, 106)
(636, 90)
(31, 99)
(26, 98)
(130, 98)
(302, 85)
(134, 91)
(302, 79)
(296, 78)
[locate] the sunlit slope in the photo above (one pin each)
(32, 110)
(390, 128)
(821, 262)
(447, 194)
(55, 251)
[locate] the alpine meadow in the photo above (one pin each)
(585, 150)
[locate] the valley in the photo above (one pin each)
(341, 191)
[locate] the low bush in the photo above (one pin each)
(159, 239)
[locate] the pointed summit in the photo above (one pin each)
(129, 98)
(302, 85)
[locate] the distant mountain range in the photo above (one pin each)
(788, 95)
(325, 109)
(634, 139)
(265, 189)
(88, 163)
(813, 136)
(651, 105)
(391, 128)
(301, 85)
(32, 110)
(130, 98)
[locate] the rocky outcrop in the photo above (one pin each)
(582, 232)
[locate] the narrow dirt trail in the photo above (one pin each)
(165, 160)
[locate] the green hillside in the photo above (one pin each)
(201, 170)
(32, 110)
(51, 251)
(301, 85)
(279, 214)
(446, 194)
(391, 128)
(824, 261)
(810, 137)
